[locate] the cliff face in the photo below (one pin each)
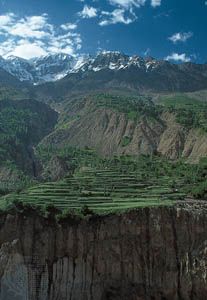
(150, 254)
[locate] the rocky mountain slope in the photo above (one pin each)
(143, 255)
(8, 80)
(12, 88)
(113, 126)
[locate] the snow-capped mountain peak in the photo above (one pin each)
(115, 61)
(41, 69)
(56, 66)
(53, 67)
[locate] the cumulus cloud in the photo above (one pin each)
(127, 4)
(88, 12)
(116, 16)
(28, 49)
(5, 20)
(178, 57)
(155, 3)
(31, 27)
(180, 37)
(124, 11)
(33, 36)
(69, 26)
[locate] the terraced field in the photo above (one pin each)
(102, 190)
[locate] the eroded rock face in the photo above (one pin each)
(106, 130)
(56, 169)
(148, 254)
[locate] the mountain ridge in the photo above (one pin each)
(55, 67)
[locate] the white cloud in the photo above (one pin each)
(35, 36)
(124, 12)
(127, 4)
(7, 46)
(5, 20)
(180, 37)
(88, 12)
(178, 57)
(28, 50)
(28, 27)
(155, 3)
(116, 16)
(33, 27)
(68, 26)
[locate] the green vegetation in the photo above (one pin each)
(13, 179)
(102, 190)
(15, 123)
(126, 141)
(95, 184)
(112, 185)
(23, 124)
(75, 157)
(12, 93)
(16, 131)
(134, 107)
(191, 113)
(200, 191)
(180, 101)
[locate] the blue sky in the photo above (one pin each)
(172, 29)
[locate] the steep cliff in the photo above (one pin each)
(148, 254)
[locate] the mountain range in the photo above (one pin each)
(103, 178)
(107, 70)
(112, 103)
(38, 70)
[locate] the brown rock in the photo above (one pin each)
(143, 255)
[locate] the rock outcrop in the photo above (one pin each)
(152, 253)
(56, 169)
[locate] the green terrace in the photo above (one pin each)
(101, 190)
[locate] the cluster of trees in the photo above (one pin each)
(193, 118)
(133, 107)
(15, 130)
(49, 212)
(191, 113)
